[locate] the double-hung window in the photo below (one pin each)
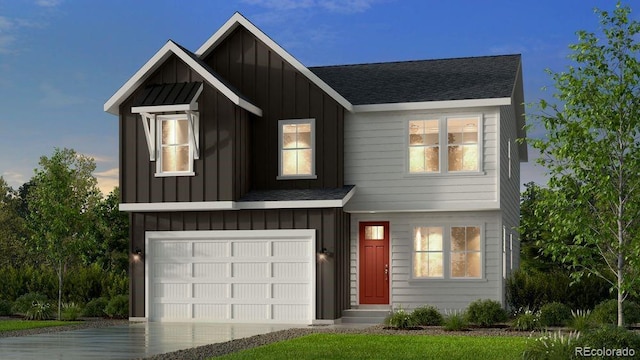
(296, 149)
(176, 154)
(441, 252)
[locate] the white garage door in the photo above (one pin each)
(260, 276)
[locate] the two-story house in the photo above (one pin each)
(260, 190)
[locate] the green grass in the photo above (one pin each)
(363, 346)
(10, 325)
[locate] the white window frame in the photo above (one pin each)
(281, 124)
(443, 144)
(193, 120)
(446, 251)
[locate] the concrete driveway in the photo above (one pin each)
(131, 341)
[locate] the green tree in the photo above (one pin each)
(592, 152)
(12, 228)
(61, 201)
(111, 234)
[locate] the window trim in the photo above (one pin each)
(443, 144)
(446, 250)
(193, 149)
(281, 123)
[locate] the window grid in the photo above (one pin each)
(175, 149)
(296, 148)
(465, 252)
(428, 252)
(424, 146)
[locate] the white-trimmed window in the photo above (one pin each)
(296, 149)
(447, 252)
(453, 142)
(174, 148)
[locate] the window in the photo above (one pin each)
(424, 148)
(465, 252)
(427, 261)
(447, 252)
(374, 232)
(296, 155)
(175, 145)
(462, 141)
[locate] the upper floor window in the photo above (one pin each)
(296, 149)
(460, 138)
(176, 154)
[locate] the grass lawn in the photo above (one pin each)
(364, 346)
(9, 325)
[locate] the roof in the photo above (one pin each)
(167, 94)
(485, 77)
(298, 194)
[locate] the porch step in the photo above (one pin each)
(364, 316)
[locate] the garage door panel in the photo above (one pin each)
(250, 311)
(170, 249)
(250, 249)
(210, 291)
(210, 311)
(171, 270)
(249, 270)
(290, 270)
(171, 291)
(289, 312)
(172, 311)
(289, 291)
(211, 270)
(249, 291)
(290, 249)
(211, 249)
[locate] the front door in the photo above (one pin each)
(374, 262)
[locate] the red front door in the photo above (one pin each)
(374, 262)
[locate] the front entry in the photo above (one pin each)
(374, 262)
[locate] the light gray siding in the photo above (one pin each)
(510, 186)
(444, 294)
(376, 156)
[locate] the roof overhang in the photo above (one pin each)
(432, 105)
(238, 20)
(112, 105)
(188, 104)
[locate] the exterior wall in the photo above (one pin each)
(376, 154)
(444, 294)
(282, 93)
(222, 172)
(332, 226)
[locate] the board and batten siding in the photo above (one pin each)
(376, 156)
(443, 293)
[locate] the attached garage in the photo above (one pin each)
(257, 276)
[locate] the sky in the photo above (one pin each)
(61, 60)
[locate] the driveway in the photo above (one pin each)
(135, 340)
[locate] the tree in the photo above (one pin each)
(592, 152)
(111, 234)
(12, 227)
(61, 201)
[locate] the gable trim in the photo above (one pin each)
(113, 104)
(238, 20)
(432, 105)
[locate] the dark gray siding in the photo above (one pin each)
(222, 172)
(332, 226)
(282, 93)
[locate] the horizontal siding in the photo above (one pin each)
(444, 294)
(376, 157)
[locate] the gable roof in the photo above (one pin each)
(113, 104)
(470, 78)
(238, 20)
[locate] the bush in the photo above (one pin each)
(5, 308)
(399, 319)
(118, 307)
(455, 321)
(96, 307)
(610, 337)
(26, 301)
(39, 311)
(426, 316)
(70, 311)
(581, 320)
(527, 321)
(486, 312)
(551, 347)
(554, 314)
(606, 313)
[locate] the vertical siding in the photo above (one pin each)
(332, 232)
(282, 93)
(444, 294)
(510, 186)
(376, 154)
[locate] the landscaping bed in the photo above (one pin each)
(48, 326)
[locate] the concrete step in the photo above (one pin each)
(364, 316)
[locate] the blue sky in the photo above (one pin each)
(60, 60)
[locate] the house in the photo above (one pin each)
(261, 190)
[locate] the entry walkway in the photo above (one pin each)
(135, 340)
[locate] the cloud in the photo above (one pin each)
(339, 6)
(48, 3)
(14, 178)
(52, 96)
(107, 179)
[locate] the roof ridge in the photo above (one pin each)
(416, 60)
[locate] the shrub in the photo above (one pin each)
(610, 337)
(118, 307)
(554, 314)
(455, 321)
(70, 311)
(556, 346)
(5, 307)
(581, 320)
(399, 319)
(486, 312)
(527, 320)
(607, 312)
(39, 311)
(96, 307)
(25, 302)
(426, 316)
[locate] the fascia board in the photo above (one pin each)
(431, 105)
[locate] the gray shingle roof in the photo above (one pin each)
(167, 94)
(425, 80)
(298, 194)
